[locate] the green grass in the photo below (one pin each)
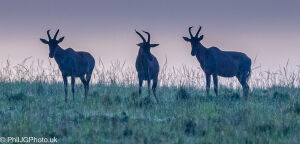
(117, 114)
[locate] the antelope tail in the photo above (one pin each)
(248, 75)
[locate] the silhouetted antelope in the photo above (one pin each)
(71, 63)
(147, 65)
(216, 62)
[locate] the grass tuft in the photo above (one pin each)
(182, 93)
(17, 97)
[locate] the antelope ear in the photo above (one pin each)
(154, 45)
(201, 37)
(140, 44)
(61, 39)
(44, 41)
(186, 39)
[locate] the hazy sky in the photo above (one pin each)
(268, 29)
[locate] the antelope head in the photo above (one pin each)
(145, 45)
(194, 40)
(53, 43)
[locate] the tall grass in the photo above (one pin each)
(118, 72)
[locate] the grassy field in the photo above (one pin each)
(32, 104)
(116, 114)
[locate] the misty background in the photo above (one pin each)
(268, 30)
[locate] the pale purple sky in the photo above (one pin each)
(269, 29)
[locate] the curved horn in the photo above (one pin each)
(148, 36)
(198, 32)
(190, 31)
(140, 36)
(49, 37)
(56, 34)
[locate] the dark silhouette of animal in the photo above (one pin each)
(216, 62)
(71, 63)
(146, 64)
